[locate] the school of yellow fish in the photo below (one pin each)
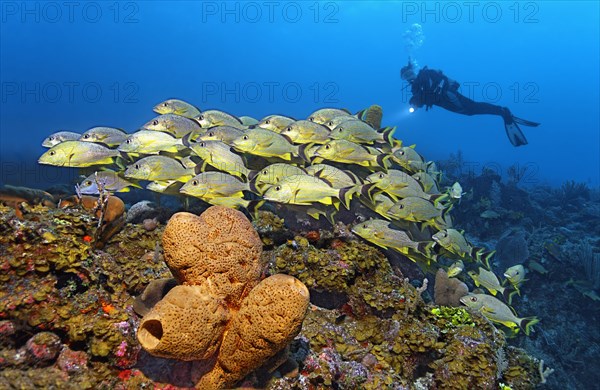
(316, 165)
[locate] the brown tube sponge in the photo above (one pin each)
(186, 324)
(219, 247)
(269, 318)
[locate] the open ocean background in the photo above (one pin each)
(73, 66)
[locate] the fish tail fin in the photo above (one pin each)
(252, 174)
(397, 144)
(427, 248)
(121, 162)
(388, 134)
(314, 213)
(383, 160)
(329, 216)
(439, 199)
(188, 163)
(355, 178)
(367, 191)
(526, 324)
(371, 115)
(445, 213)
(483, 256)
(346, 195)
(336, 205)
(302, 149)
(186, 140)
(253, 207)
(253, 187)
(509, 294)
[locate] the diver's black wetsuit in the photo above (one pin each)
(431, 87)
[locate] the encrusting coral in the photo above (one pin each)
(221, 313)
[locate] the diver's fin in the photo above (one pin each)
(525, 122)
(514, 133)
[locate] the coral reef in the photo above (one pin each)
(368, 326)
(553, 232)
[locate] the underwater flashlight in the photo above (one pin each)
(411, 110)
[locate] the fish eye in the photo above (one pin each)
(341, 129)
(127, 141)
(278, 188)
(202, 144)
(51, 138)
(86, 136)
(195, 183)
(444, 234)
(165, 104)
(327, 146)
(265, 172)
(267, 122)
(137, 166)
(473, 299)
(52, 153)
(401, 152)
(245, 137)
(400, 206)
(288, 128)
(381, 175)
(88, 183)
(201, 117)
(155, 123)
(330, 123)
(312, 119)
(365, 226)
(211, 134)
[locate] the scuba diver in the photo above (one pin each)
(431, 87)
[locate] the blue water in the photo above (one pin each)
(78, 65)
